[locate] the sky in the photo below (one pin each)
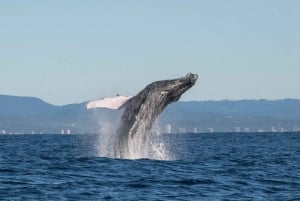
(71, 51)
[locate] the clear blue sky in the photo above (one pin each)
(72, 51)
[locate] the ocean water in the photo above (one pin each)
(223, 166)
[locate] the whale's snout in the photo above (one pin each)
(190, 77)
(193, 77)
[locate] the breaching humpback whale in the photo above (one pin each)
(141, 111)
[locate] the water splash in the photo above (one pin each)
(141, 144)
(159, 146)
(107, 121)
(104, 142)
(149, 145)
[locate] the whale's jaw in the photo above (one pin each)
(141, 112)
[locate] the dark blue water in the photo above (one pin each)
(207, 167)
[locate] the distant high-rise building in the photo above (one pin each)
(295, 129)
(62, 131)
(211, 130)
(247, 130)
(237, 129)
(195, 130)
(168, 128)
(68, 131)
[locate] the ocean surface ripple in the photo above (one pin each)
(223, 166)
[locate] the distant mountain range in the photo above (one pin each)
(33, 115)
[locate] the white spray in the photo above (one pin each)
(152, 147)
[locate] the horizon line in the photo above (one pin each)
(204, 100)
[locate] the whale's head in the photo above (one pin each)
(157, 95)
(171, 90)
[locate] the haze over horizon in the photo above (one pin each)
(72, 51)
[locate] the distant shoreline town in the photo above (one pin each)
(29, 115)
(3, 132)
(168, 130)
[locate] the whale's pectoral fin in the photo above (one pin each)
(115, 103)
